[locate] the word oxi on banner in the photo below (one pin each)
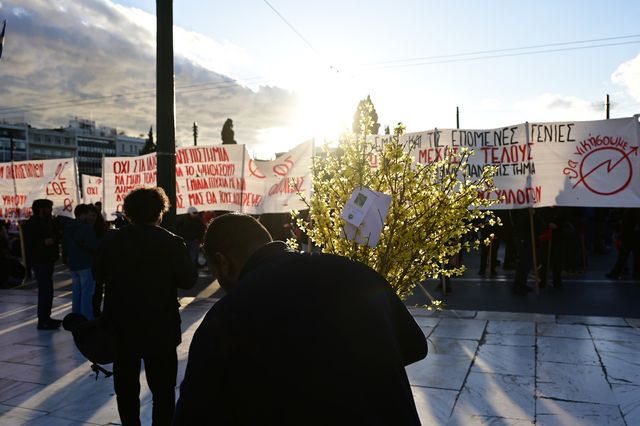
(91, 189)
(578, 163)
(217, 177)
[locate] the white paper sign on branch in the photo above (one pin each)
(365, 214)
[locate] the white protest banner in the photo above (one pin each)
(122, 175)
(210, 178)
(579, 164)
(279, 181)
(587, 163)
(91, 189)
(23, 182)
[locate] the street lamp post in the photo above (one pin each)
(165, 107)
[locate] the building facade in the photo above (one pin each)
(82, 139)
(128, 146)
(51, 143)
(16, 135)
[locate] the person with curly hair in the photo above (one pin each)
(142, 266)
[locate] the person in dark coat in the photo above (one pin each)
(42, 240)
(142, 266)
(299, 339)
(191, 228)
(630, 243)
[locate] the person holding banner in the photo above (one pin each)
(42, 247)
(321, 340)
(142, 266)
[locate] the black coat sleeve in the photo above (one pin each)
(202, 392)
(185, 273)
(413, 343)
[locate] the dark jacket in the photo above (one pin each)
(303, 340)
(79, 244)
(142, 266)
(36, 230)
(190, 228)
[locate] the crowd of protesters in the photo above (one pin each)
(128, 271)
(565, 241)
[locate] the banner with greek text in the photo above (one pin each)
(122, 175)
(210, 178)
(91, 189)
(23, 182)
(573, 164)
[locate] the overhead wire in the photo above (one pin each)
(202, 86)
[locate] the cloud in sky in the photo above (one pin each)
(628, 76)
(57, 50)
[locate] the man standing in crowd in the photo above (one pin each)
(317, 338)
(79, 245)
(42, 247)
(191, 228)
(143, 265)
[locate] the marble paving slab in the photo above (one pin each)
(434, 405)
(439, 371)
(427, 321)
(633, 322)
(457, 313)
(566, 350)
(497, 395)
(12, 388)
(11, 415)
(511, 327)
(591, 320)
(478, 420)
(571, 382)
(622, 368)
(509, 339)
(628, 398)
(575, 331)
(515, 316)
(553, 412)
(617, 347)
(620, 334)
(512, 360)
(460, 328)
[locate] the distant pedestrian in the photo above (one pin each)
(79, 245)
(191, 227)
(317, 339)
(101, 228)
(42, 238)
(629, 243)
(143, 265)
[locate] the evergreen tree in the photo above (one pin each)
(366, 106)
(150, 146)
(228, 133)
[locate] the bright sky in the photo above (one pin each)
(348, 36)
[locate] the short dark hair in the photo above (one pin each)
(80, 210)
(234, 234)
(40, 204)
(145, 205)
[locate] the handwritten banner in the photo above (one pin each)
(573, 164)
(23, 182)
(581, 164)
(122, 175)
(217, 177)
(91, 189)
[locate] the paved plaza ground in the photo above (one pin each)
(483, 368)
